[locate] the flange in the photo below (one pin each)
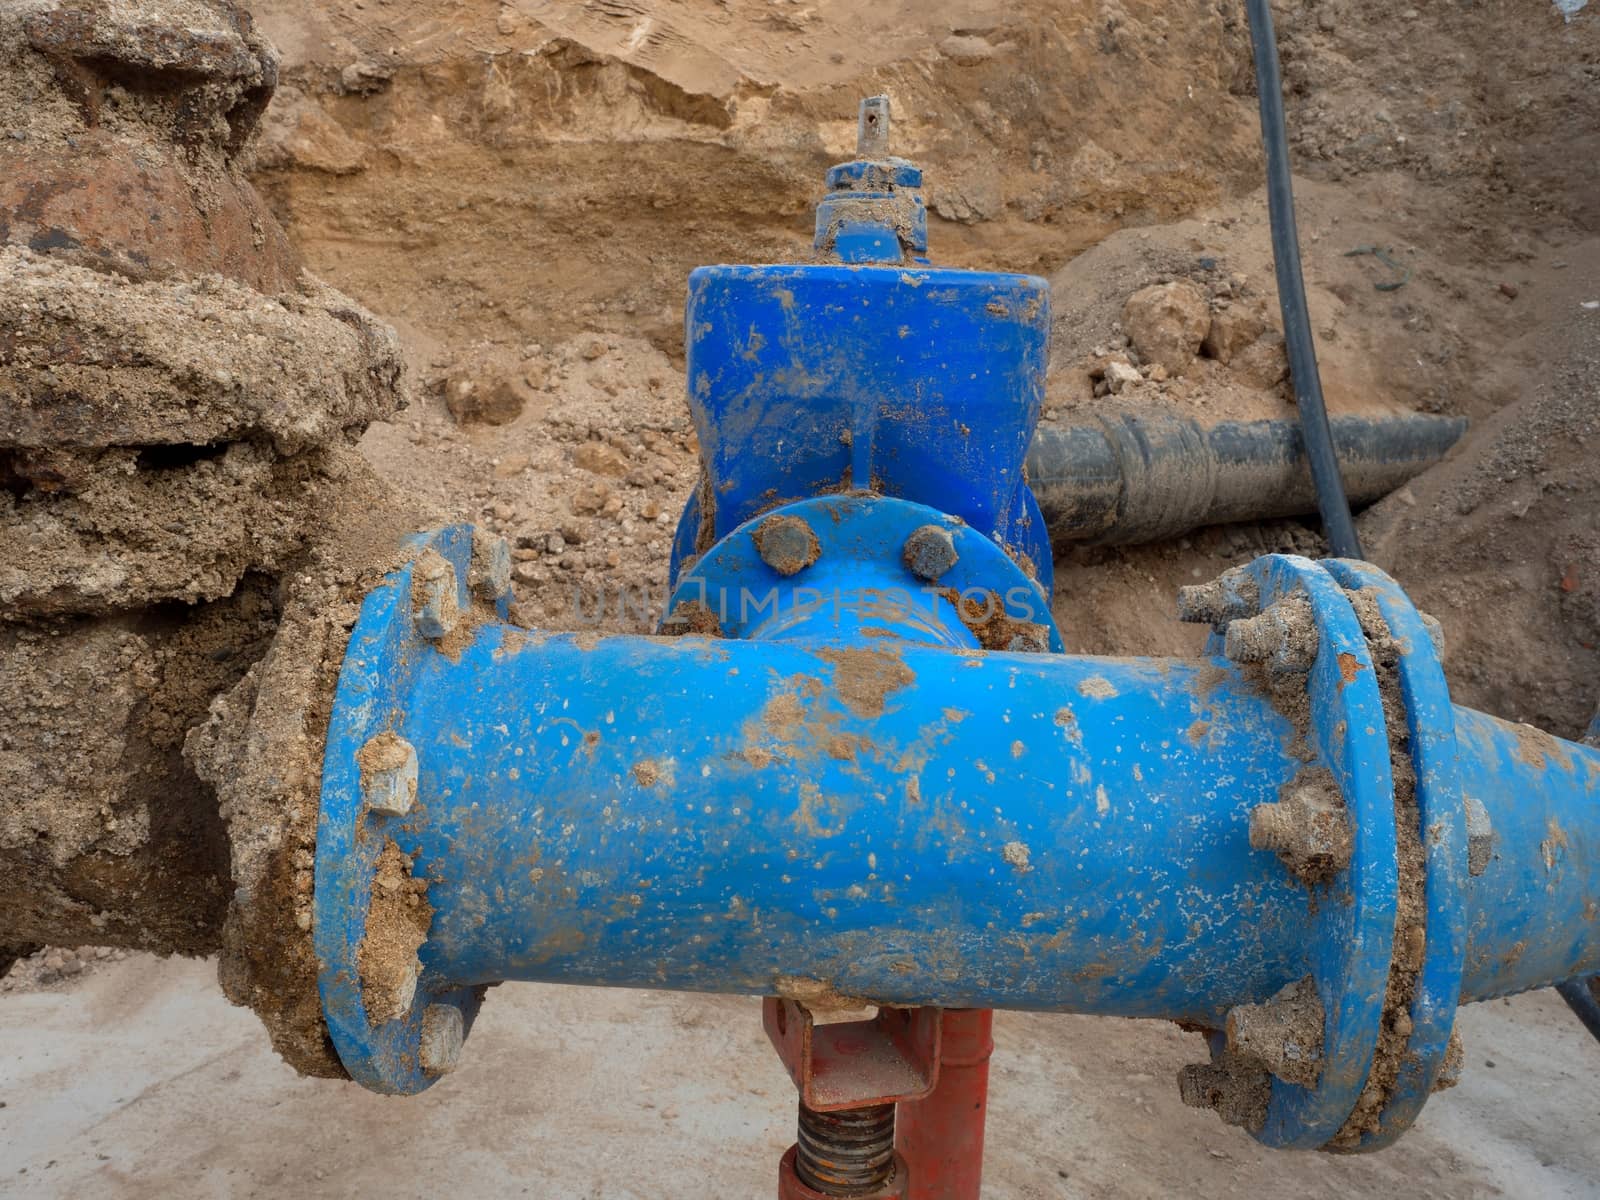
(1349, 954)
(853, 567)
(1388, 1008)
(393, 1031)
(1423, 1061)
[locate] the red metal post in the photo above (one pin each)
(941, 1137)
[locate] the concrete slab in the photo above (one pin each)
(139, 1081)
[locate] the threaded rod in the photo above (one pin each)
(848, 1153)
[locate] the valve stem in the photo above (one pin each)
(872, 128)
(846, 1153)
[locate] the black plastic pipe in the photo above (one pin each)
(1321, 452)
(1580, 997)
(1139, 477)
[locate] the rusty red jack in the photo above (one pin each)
(891, 1108)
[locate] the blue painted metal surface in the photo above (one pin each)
(919, 383)
(861, 589)
(861, 785)
(909, 824)
(1435, 764)
(880, 374)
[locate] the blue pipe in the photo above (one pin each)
(914, 827)
(865, 769)
(900, 823)
(1534, 911)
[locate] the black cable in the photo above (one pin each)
(1331, 501)
(1579, 995)
(1337, 524)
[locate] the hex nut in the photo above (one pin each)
(1309, 828)
(1238, 1089)
(489, 576)
(1284, 637)
(1231, 596)
(1283, 1034)
(388, 775)
(435, 600)
(929, 552)
(787, 544)
(1029, 638)
(390, 998)
(443, 1034)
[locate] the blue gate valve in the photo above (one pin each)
(856, 762)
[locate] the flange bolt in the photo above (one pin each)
(1230, 596)
(1284, 1034)
(1309, 829)
(1284, 637)
(443, 1033)
(929, 552)
(490, 572)
(1239, 1089)
(787, 544)
(435, 602)
(388, 775)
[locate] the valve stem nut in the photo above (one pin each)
(872, 128)
(443, 1033)
(1284, 637)
(929, 552)
(1283, 1034)
(787, 544)
(435, 601)
(1309, 828)
(388, 775)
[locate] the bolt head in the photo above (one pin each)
(490, 573)
(1283, 1034)
(443, 1033)
(929, 552)
(390, 998)
(388, 775)
(787, 544)
(435, 601)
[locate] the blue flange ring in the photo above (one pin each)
(384, 1051)
(852, 559)
(1431, 733)
(1351, 946)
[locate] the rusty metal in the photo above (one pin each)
(792, 1187)
(893, 1056)
(846, 1152)
(941, 1136)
